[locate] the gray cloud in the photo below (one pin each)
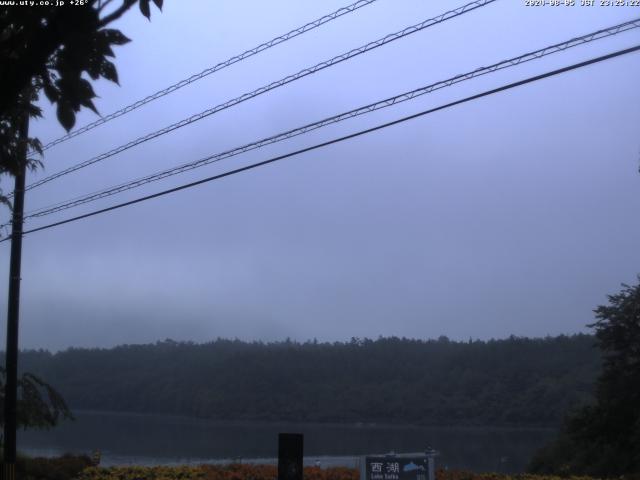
(514, 214)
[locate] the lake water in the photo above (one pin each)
(155, 439)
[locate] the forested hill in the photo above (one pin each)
(514, 381)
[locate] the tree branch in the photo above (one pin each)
(126, 5)
(104, 4)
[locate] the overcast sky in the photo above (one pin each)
(514, 214)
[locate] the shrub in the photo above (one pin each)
(66, 467)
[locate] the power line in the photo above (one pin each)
(340, 139)
(540, 53)
(284, 81)
(227, 63)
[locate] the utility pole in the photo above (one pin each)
(13, 310)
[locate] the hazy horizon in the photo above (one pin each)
(306, 341)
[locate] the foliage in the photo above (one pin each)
(79, 468)
(604, 438)
(66, 467)
(464, 475)
(514, 381)
(39, 404)
(211, 472)
(269, 472)
(52, 50)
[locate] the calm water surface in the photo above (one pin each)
(155, 439)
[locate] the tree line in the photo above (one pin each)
(515, 381)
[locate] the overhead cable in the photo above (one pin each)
(227, 63)
(340, 139)
(284, 81)
(558, 47)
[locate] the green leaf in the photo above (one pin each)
(87, 102)
(115, 37)
(84, 88)
(84, 93)
(52, 93)
(35, 144)
(93, 67)
(144, 8)
(108, 71)
(34, 111)
(66, 115)
(158, 4)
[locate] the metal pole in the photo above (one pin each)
(13, 310)
(290, 456)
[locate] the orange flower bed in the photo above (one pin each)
(270, 472)
(211, 472)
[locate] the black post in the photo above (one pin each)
(13, 310)
(290, 452)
